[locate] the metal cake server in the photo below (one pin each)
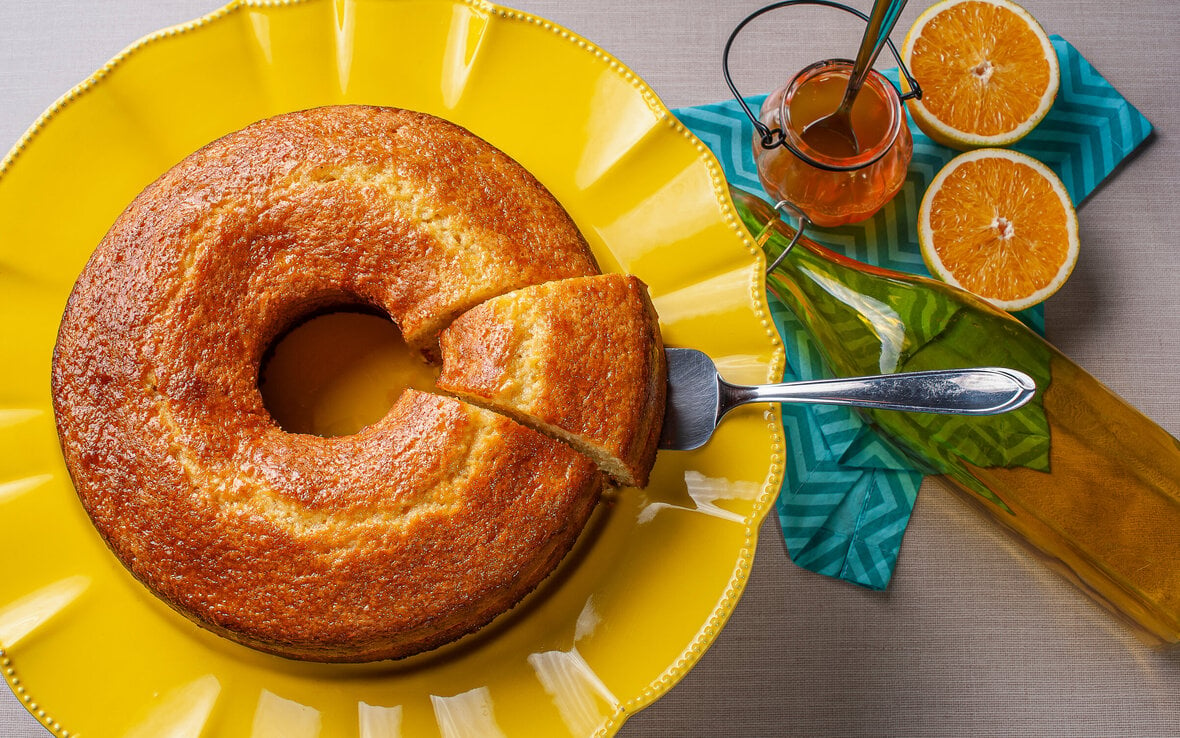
(698, 397)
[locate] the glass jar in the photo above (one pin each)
(829, 183)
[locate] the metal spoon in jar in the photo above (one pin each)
(698, 397)
(837, 127)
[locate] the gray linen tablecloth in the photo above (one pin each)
(973, 637)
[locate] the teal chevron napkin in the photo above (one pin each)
(847, 495)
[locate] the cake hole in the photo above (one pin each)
(339, 372)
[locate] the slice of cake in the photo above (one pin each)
(578, 359)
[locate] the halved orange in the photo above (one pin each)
(999, 224)
(987, 70)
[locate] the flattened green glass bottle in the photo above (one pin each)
(1084, 479)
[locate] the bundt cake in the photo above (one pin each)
(419, 528)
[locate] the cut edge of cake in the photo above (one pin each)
(508, 380)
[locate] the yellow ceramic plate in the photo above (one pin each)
(657, 572)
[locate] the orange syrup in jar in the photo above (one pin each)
(867, 179)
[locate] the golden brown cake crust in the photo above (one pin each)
(579, 358)
(406, 535)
